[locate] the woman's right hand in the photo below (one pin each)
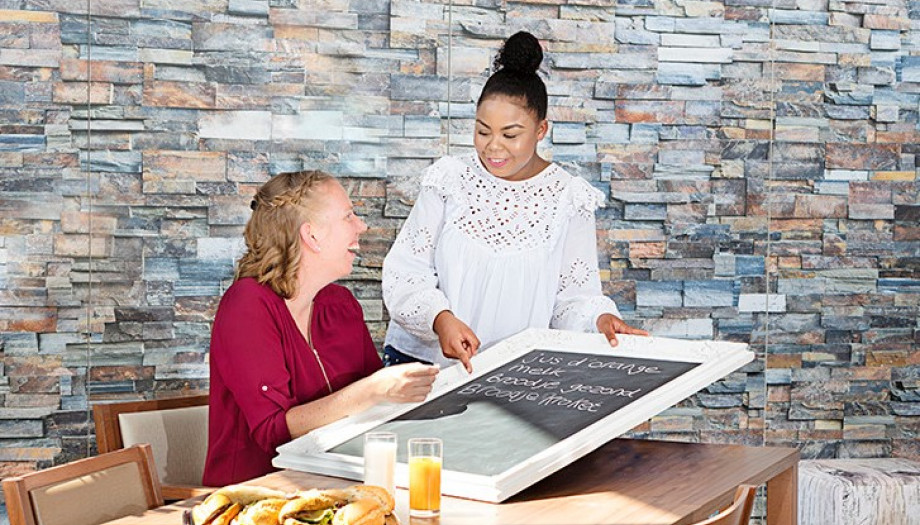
(458, 341)
(407, 383)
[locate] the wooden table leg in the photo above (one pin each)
(782, 497)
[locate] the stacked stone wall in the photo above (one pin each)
(759, 157)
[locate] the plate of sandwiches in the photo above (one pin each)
(254, 505)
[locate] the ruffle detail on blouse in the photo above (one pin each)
(582, 198)
(442, 176)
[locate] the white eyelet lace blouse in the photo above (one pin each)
(502, 256)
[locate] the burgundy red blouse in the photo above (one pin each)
(261, 366)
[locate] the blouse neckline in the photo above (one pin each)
(532, 181)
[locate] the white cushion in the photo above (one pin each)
(91, 499)
(178, 437)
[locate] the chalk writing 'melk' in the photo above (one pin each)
(559, 393)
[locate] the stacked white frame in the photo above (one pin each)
(310, 453)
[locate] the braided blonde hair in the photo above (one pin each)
(272, 234)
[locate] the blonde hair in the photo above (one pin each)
(272, 234)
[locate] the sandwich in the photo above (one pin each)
(357, 505)
(262, 512)
(379, 494)
(224, 505)
(251, 505)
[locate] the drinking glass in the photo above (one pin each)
(425, 477)
(380, 460)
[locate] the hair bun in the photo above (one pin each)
(521, 53)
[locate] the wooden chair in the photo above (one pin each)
(739, 512)
(177, 430)
(87, 491)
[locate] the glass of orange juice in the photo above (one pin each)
(425, 477)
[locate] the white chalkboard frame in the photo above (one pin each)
(716, 360)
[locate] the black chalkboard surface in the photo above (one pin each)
(500, 419)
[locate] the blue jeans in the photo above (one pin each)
(392, 356)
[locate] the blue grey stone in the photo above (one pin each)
(661, 24)
(708, 293)
(652, 293)
(860, 96)
(683, 133)
(609, 133)
(111, 387)
(910, 69)
(257, 8)
(196, 289)
(161, 269)
(905, 409)
(877, 76)
(778, 376)
(75, 29)
(680, 157)
(887, 96)
(899, 285)
(645, 133)
(22, 142)
(111, 161)
(699, 25)
(569, 133)
(422, 126)
(630, 31)
(230, 37)
(603, 60)
(12, 93)
(684, 74)
(720, 400)
(575, 152)
(111, 53)
(836, 111)
(23, 428)
(752, 265)
(645, 212)
(906, 395)
(735, 383)
(882, 40)
(164, 34)
(852, 49)
(406, 87)
(799, 170)
(19, 343)
(236, 75)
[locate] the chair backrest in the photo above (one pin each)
(739, 512)
(177, 430)
(118, 484)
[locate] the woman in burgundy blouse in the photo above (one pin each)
(289, 350)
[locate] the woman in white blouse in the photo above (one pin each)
(500, 240)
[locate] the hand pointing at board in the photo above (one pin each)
(456, 338)
(611, 325)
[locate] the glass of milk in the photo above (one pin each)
(380, 460)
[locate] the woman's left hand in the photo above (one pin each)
(611, 325)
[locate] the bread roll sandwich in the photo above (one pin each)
(223, 505)
(357, 505)
(247, 505)
(262, 512)
(380, 494)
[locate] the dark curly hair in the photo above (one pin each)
(515, 73)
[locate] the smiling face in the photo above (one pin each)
(334, 231)
(506, 138)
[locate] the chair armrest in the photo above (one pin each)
(180, 492)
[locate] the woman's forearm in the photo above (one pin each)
(352, 399)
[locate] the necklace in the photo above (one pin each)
(318, 360)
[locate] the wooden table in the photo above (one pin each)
(625, 482)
